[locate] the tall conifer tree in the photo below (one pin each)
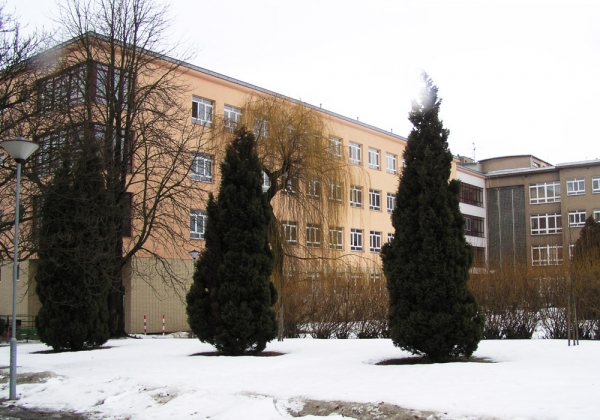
(230, 302)
(74, 249)
(427, 264)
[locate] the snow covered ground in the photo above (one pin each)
(161, 378)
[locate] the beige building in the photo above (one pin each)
(373, 159)
(536, 210)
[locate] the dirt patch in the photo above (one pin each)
(368, 411)
(261, 354)
(27, 377)
(71, 351)
(427, 361)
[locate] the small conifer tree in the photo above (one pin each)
(71, 279)
(427, 263)
(230, 302)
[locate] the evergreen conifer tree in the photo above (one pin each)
(74, 250)
(427, 263)
(229, 303)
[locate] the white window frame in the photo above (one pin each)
(576, 186)
(204, 109)
(390, 163)
(390, 237)
(261, 128)
(202, 166)
(336, 238)
(313, 188)
(597, 215)
(290, 231)
(335, 147)
(356, 196)
(596, 185)
(545, 192)
(355, 153)
(577, 218)
(197, 224)
(375, 200)
(546, 224)
(336, 192)
(356, 239)
(542, 255)
(375, 241)
(313, 235)
(391, 202)
(374, 158)
(232, 117)
(266, 182)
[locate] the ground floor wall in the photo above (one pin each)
(154, 289)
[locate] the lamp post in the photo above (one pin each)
(19, 149)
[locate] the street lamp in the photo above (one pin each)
(19, 149)
(194, 254)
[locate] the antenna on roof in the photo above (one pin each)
(474, 148)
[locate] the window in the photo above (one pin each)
(545, 224)
(544, 192)
(373, 158)
(335, 192)
(202, 111)
(62, 90)
(576, 186)
(375, 241)
(335, 147)
(474, 226)
(197, 224)
(375, 200)
(470, 194)
(232, 116)
(596, 185)
(355, 196)
(266, 182)
(597, 215)
(547, 255)
(478, 256)
(48, 157)
(390, 163)
(313, 188)
(116, 89)
(202, 167)
(355, 153)
(290, 231)
(390, 237)
(261, 128)
(313, 236)
(290, 184)
(2, 159)
(336, 235)
(356, 239)
(391, 202)
(577, 218)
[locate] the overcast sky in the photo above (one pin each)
(518, 77)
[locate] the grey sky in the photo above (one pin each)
(515, 77)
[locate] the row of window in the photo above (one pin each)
(314, 237)
(474, 226)
(355, 156)
(470, 194)
(549, 192)
(551, 223)
(68, 88)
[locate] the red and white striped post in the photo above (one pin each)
(144, 324)
(163, 326)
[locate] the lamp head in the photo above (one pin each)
(19, 148)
